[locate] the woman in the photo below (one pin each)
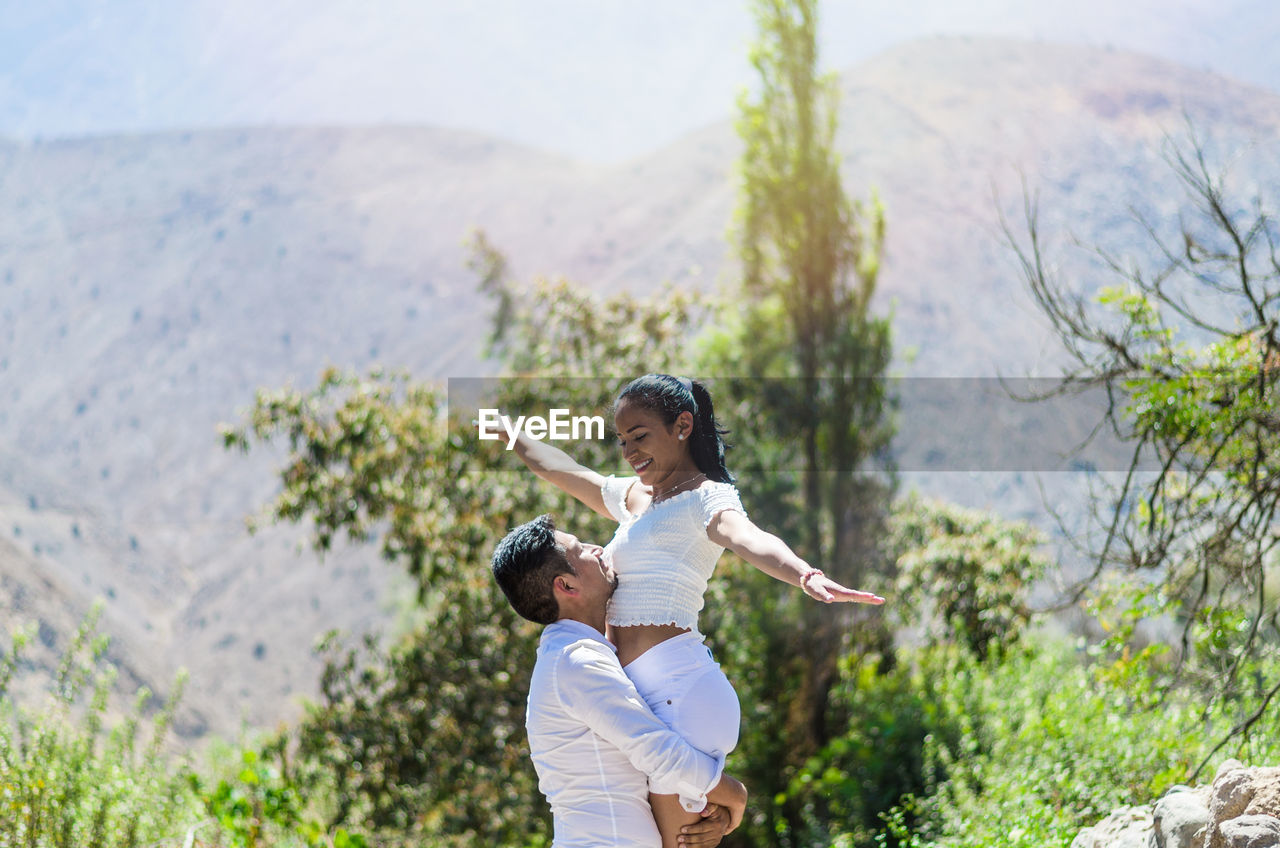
(675, 517)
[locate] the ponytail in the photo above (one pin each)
(707, 442)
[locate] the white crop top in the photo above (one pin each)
(663, 556)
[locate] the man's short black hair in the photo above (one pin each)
(526, 563)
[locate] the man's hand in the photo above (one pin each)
(716, 822)
(732, 795)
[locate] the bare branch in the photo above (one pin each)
(1237, 732)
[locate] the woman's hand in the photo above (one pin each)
(823, 588)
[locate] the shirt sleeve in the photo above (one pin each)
(614, 491)
(594, 689)
(715, 499)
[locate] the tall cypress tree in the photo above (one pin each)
(807, 360)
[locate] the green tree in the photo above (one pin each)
(810, 259)
(804, 360)
(1187, 346)
(424, 739)
(375, 456)
(964, 574)
(963, 583)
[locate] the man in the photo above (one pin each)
(597, 747)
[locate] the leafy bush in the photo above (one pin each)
(411, 752)
(964, 574)
(879, 758)
(67, 779)
(258, 802)
(1027, 747)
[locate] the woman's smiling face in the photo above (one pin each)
(653, 449)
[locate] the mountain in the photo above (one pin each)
(149, 284)
(597, 81)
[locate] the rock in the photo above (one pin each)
(1228, 765)
(1180, 818)
(1127, 827)
(1266, 793)
(1241, 809)
(1231, 793)
(1248, 795)
(1250, 832)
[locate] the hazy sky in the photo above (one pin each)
(600, 79)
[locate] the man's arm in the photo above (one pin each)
(594, 689)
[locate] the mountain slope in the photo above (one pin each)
(149, 284)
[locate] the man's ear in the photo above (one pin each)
(566, 584)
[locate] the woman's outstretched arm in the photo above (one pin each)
(558, 468)
(771, 555)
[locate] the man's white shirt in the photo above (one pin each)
(594, 741)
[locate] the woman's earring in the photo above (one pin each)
(680, 437)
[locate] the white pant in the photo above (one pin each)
(684, 686)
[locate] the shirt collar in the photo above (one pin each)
(576, 628)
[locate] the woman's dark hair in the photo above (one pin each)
(669, 396)
(526, 564)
